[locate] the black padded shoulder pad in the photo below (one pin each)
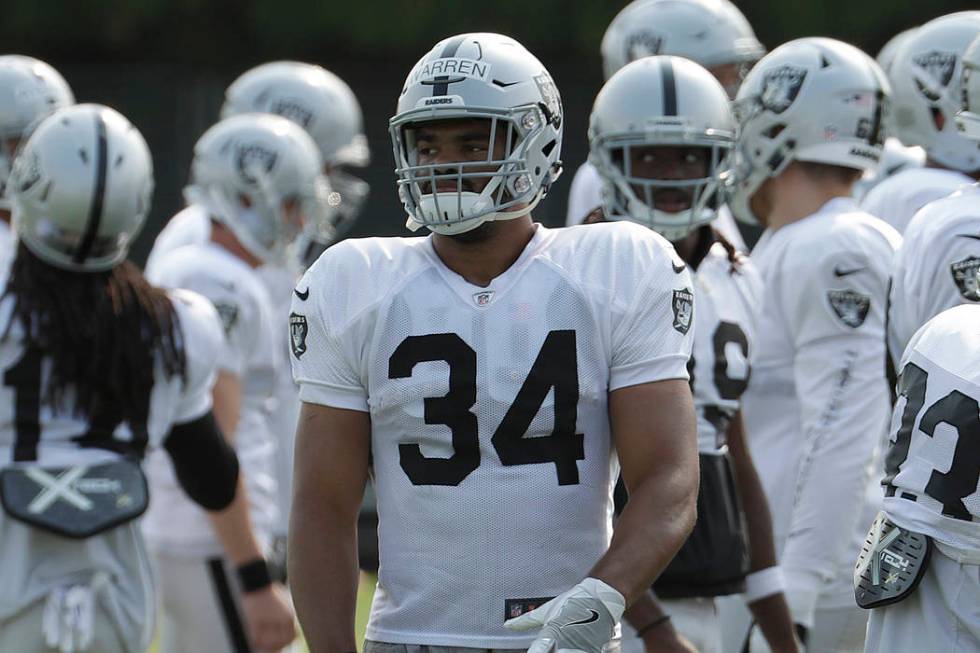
(205, 464)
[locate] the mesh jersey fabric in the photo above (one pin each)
(583, 311)
(935, 490)
(818, 401)
(935, 268)
(248, 350)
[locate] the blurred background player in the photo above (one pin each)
(923, 554)
(925, 77)
(661, 136)
(713, 33)
(810, 123)
(99, 367)
(323, 105)
(29, 90)
(895, 156)
(259, 179)
(484, 374)
(936, 266)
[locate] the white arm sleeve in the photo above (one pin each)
(652, 338)
(584, 195)
(324, 362)
(837, 329)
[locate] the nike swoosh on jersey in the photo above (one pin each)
(973, 236)
(591, 618)
(302, 295)
(677, 269)
(843, 273)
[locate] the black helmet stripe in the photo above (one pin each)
(441, 87)
(670, 87)
(98, 194)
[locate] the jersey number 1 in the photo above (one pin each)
(555, 367)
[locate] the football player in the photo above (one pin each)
(920, 569)
(98, 368)
(810, 124)
(488, 375)
(714, 33)
(661, 134)
(29, 90)
(936, 266)
(327, 109)
(925, 75)
(259, 179)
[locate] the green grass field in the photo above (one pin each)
(365, 592)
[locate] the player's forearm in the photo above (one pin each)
(233, 526)
(657, 519)
(755, 506)
(323, 575)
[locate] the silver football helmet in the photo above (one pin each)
(483, 77)
(710, 32)
(81, 186)
(925, 76)
(968, 118)
(262, 177)
(887, 53)
(29, 90)
(322, 104)
(660, 102)
(812, 99)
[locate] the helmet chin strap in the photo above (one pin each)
(468, 225)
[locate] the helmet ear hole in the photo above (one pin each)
(774, 131)
(938, 119)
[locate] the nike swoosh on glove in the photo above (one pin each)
(580, 620)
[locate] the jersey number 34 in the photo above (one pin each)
(555, 367)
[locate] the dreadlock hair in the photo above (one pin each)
(735, 257)
(103, 331)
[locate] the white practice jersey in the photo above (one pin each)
(192, 226)
(818, 401)
(586, 195)
(728, 298)
(897, 198)
(248, 350)
(34, 561)
(8, 248)
(936, 266)
(933, 462)
(493, 462)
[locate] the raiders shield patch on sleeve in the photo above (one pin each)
(850, 306)
(297, 334)
(683, 305)
(965, 276)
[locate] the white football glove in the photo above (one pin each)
(580, 620)
(69, 616)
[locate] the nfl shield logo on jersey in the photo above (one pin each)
(851, 307)
(483, 298)
(683, 309)
(297, 333)
(965, 275)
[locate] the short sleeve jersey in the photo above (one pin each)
(897, 198)
(933, 461)
(493, 461)
(728, 297)
(936, 266)
(35, 433)
(248, 350)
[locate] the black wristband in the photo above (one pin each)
(254, 575)
(662, 619)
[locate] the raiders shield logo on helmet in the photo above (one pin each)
(294, 110)
(683, 305)
(965, 276)
(643, 44)
(850, 306)
(934, 72)
(253, 161)
(780, 86)
(228, 314)
(298, 329)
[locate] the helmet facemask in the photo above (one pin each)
(447, 197)
(631, 194)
